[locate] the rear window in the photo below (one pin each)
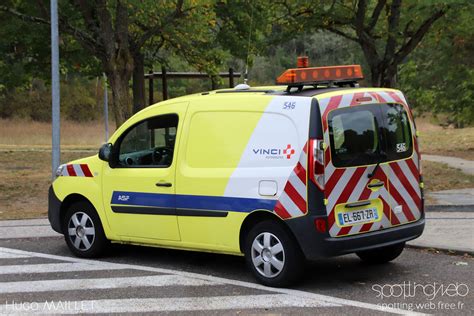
(367, 134)
(354, 136)
(397, 131)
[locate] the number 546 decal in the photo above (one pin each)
(401, 147)
(289, 105)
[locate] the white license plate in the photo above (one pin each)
(358, 217)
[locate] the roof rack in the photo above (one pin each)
(322, 85)
(246, 91)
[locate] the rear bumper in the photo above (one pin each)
(317, 245)
(54, 210)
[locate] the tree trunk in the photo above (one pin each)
(382, 75)
(375, 65)
(138, 82)
(120, 98)
(119, 68)
(375, 75)
(389, 79)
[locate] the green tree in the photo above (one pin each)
(439, 77)
(243, 26)
(386, 31)
(116, 32)
(322, 47)
(26, 57)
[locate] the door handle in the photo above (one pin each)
(164, 184)
(375, 185)
(357, 204)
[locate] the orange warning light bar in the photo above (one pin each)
(302, 62)
(315, 75)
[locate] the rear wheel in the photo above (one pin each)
(83, 231)
(272, 254)
(383, 254)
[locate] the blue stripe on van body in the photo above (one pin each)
(198, 202)
(143, 199)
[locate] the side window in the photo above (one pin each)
(149, 143)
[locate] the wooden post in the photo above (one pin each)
(150, 88)
(213, 83)
(231, 78)
(165, 83)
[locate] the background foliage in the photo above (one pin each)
(437, 77)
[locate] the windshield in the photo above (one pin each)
(367, 134)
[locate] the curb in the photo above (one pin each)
(449, 208)
(441, 249)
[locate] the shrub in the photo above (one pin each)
(80, 101)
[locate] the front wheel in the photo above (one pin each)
(273, 255)
(381, 255)
(83, 231)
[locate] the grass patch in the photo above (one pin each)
(446, 141)
(439, 176)
(24, 181)
(30, 134)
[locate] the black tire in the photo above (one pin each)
(293, 260)
(381, 255)
(77, 244)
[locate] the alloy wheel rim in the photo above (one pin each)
(81, 231)
(268, 255)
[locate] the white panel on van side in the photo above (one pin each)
(274, 148)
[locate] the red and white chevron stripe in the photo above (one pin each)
(293, 200)
(76, 170)
(401, 191)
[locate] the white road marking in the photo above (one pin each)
(27, 231)
(105, 283)
(55, 267)
(25, 222)
(317, 298)
(6, 255)
(173, 304)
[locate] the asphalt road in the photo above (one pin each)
(133, 279)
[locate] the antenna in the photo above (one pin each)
(248, 46)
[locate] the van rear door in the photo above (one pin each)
(371, 177)
(403, 161)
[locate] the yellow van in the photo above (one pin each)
(311, 168)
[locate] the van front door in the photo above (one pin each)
(139, 188)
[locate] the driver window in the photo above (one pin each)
(149, 143)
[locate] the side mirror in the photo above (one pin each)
(105, 151)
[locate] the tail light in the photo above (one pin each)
(320, 224)
(316, 162)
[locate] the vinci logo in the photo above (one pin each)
(275, 153)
